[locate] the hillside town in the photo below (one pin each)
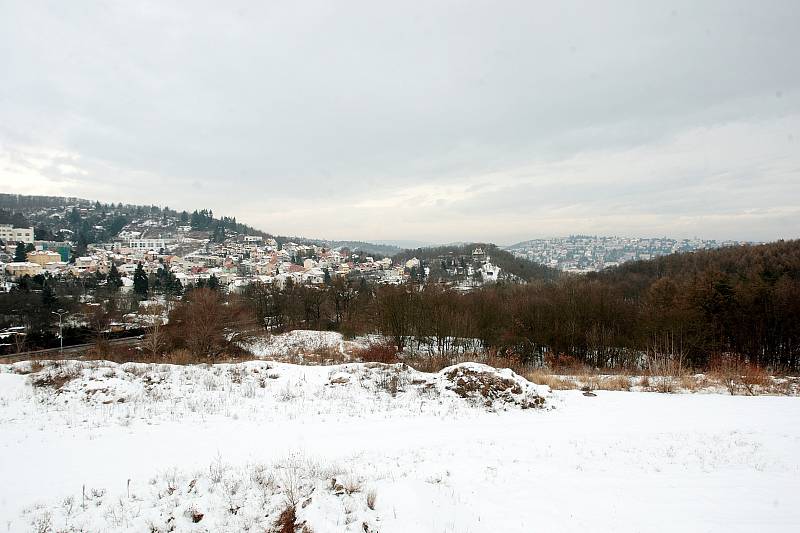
(584, 253)
(193, 259)
(62, 237)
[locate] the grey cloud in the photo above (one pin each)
(320, 103)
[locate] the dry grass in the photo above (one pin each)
(180, 356)
(372, 496)
(589, 382)
(692, 383)
(618, 382)
(540, 377)
(55, 376)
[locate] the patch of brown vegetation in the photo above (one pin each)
(619, 382)
(377, 353)
(541, 377)
(55, 376)
(285, 523)
(740, 376)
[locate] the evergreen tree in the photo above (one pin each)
(19, 254)
(114, 279)
(219, 234)
(213, 283)
(140, 283)
(81, 245)
(49, 299)
(174, 286)
(327, 278)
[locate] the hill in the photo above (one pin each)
(83, 221)
(519, 267)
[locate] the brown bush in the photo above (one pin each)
(377, 353)
(753, 376)
(739, 376)
(285, 522)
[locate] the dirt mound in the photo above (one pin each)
(492, 387)
(478, 384)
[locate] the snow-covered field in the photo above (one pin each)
(367, 447)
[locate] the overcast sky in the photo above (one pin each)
(433, 120)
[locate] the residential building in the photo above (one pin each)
(42, 258)
(9, 233)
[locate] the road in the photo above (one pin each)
(52, 353)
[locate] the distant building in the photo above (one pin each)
(21, 269)
(412, 263)
(42, 258)
(9, 233)
(62, 248)
(145, 244)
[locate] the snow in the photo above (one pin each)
(296, 341)
(132, 447)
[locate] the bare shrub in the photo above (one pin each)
(739, 376)
(209, 326)
(43, 522)
(377, 353)
(372, 496)
(754, 377)
(351, 485)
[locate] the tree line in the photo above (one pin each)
(697, 307)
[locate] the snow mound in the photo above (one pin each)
(94, 382)
(103, 393)
(475, 384)
(298, 341)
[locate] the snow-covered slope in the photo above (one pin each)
(296, 341)
(365, 447)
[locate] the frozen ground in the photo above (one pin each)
(373, 448)
(299, 341)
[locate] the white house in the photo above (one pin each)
(9, 233)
